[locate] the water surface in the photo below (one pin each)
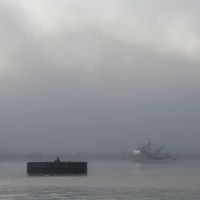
(105, 180)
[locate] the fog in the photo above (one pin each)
(99, 76)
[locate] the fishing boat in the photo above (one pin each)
(150, 152)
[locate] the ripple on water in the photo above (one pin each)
(98, 193)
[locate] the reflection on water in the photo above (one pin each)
(105, 180)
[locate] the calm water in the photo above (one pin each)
(105, 180)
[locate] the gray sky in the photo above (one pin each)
(99, 75)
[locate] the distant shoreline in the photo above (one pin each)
(81, 156)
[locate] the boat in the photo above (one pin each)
(150, 152)
(57, 167)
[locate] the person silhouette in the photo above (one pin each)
(57, 159)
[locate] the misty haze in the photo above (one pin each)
(99, 78)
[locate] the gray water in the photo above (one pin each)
(106, 180)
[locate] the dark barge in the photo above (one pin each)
(56, 168)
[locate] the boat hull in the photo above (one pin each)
(56, 168)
